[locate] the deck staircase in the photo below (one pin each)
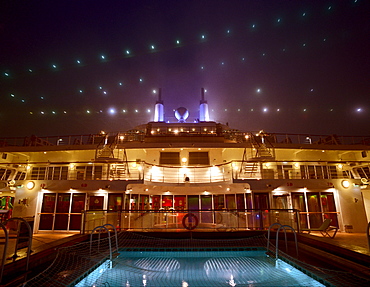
(118, 171)
(262, 149)
(250, 169)
(107, 149)
(263, 152)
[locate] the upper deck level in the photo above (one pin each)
(157, 134)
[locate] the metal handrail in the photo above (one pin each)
(215, 219)
(4, 251)
(109, 240)
(16, 245)
(277, 240)
(92, 139)
(115, 233)
(268, 234)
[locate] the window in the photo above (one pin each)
(169, 158)
(57, 173)
(363, 172)
(198, 158)
(333, 171)
(20, 175)
(285, 171)
(314, 171)
(80, 172)
(5, 173)
(98, 172)
(319, 172)
(38, 173)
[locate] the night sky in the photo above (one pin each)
(78, 67)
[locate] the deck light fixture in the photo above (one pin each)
(30, 185)
(346, 183)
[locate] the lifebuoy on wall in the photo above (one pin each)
(190, 221)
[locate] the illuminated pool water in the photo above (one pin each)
(197, 268)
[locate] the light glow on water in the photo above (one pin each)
(198, 268)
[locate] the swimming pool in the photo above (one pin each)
(195, 269)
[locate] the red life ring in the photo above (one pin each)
(190, 221)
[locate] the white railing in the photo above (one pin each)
(219, 173)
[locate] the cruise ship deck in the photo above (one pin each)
(187, 185)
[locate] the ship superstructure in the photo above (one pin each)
(198, 175)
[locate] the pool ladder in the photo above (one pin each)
(105, 227)
(284, 227)
(18, 236)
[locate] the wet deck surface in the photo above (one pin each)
(40, 242)
(356, 242)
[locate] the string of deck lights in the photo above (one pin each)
(104, 90)
(116, 111)
(178, 43)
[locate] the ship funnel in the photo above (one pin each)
(203, 108)
(159, 109)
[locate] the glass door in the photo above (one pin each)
(193, 202)
(328, 207)
(78, 204)
(261, 201)
(280, 201)
(240, 202)
(230, 201)
(219, 201)
(314, 209)
(47, 211)
(115, 201)
(167, 201)
(299, 203)
(180, 201)
(155, 202)
(262, 206)
(144, 202)
(62, 210)
(206, 204)
(193, 205)
(96, 202)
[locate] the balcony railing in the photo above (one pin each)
(186, 220)
(234, 136)
(185, 174)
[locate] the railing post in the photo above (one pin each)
(261, 219)
(83, 213)
(298, 220)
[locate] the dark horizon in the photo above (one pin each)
(281, 66)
